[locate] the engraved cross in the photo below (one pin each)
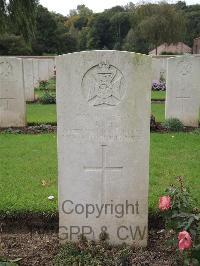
(7, 101)
(182, 99)
(103, 169)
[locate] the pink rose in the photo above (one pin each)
(164, 203)
(185, 241)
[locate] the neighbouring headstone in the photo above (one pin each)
(159, 66)
(51, 67)
(183, 89)
(46, 68)
(43, 66)
(35, 73)
(29, 80)
(103, 107)
(12, 98)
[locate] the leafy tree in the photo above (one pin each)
(129, 41)
(135, 43)
(70, 43)
(192, 14)
(84, 11)
(11, 44)
(100, 35)
(114, 10)
(81, 10)
(83, 38)
(3, 16)
(46, 28)
(165, 25)
(18, 16)
(119, 26)
(129, 7)
(27, 27)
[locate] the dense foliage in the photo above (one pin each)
(173, 124)
(18, 17)
(28, 28)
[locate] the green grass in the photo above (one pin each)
(158, 95)
(28, 160)
(46, 113)
(41, 113)
(158, 110)
(25, 161)
(171, 157)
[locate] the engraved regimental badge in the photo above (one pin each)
(184, 67)
(103, 84)
(5, 69)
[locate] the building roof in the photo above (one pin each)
(179, 47)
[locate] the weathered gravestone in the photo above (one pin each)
(35, 72)
(51, 67)
(29, 79)
(159, 66)
(183, 88)
(43, 66)
(46, 68)
(12, 98)
(103, 105)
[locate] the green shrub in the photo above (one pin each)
(11, 44)
(43, 84)
(48, 98)
(173, 124)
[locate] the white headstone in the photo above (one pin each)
(46, 68)
(12, 98)
(29, 80)
(43, 69)
(159, 66)
(103, 106)
(183, 89)
(36, 72)
(51, 67)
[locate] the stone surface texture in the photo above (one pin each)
(183, 89)
(103, 107)
(36, 72)
(12, 96)
(46, 68)
(159, 66)
(29, 79)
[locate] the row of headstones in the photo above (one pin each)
(159, 66)
(35, 70)
(18, 78)
(182, 78)
(103, 111)
(181, 74)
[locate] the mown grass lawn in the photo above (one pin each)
(26, 162)
(29, 169)
(158, 95)
(41, 113)
(46, 113)
(158, 110)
